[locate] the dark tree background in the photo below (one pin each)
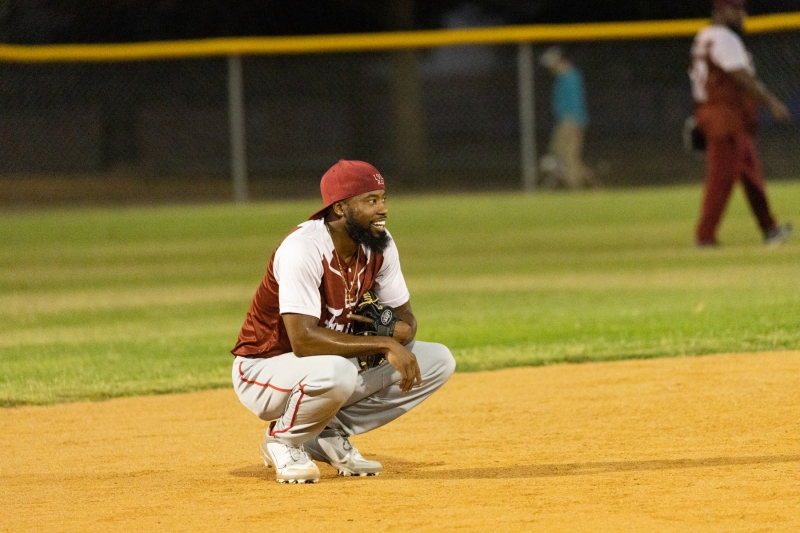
(87, 21)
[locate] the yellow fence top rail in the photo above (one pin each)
(364, 42)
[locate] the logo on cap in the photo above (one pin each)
(378, 178)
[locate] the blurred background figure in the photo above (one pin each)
(727, 94)
(563, 164)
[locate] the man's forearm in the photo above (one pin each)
(406, 329)
(753, 86)
(749, 83)
(403, 333)
(317, 340)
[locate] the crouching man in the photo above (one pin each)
(297, 362)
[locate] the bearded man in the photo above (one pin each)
(298, 364)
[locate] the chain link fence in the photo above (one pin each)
(431, 119)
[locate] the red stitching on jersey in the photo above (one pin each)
(254, 382)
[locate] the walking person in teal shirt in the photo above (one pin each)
(564, 161)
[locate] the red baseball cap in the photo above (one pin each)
(346, 179)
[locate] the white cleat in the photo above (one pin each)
(291, 463)
(776, 236)
(334, 448)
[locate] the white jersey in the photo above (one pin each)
(716, 47)
(304, 276)
(306, 256)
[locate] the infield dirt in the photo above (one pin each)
(684, 444)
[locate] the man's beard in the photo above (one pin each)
(737, 28)
(363, 235)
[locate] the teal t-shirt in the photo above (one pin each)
(569, 100)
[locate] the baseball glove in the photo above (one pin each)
(383, 322)
(693, 138)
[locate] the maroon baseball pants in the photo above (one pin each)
(729, 159)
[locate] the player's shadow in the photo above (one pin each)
(255, 471)
(412, 471)
(328, 473)
(395, 468)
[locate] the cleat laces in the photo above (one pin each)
(346, 444)
(297, 454)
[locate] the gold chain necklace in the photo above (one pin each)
(349, 301)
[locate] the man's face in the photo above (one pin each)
(733, 17)
(365, 220)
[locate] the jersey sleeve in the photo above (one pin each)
(728, 52)
(298, 271)
(390, 285)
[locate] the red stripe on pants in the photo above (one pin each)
(302, 386)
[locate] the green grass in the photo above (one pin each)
(102, 303)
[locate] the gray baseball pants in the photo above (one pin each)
(304, 395)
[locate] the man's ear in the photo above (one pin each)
(338, 208)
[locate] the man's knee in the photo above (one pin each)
(332, 376)
(448, 362)
(441, 362)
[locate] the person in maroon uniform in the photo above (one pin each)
(297, 362)
(727, 95)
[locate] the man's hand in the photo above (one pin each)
(778, 110)
(405, 362)
(404, 324)
(403, 331)
(400, 357)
